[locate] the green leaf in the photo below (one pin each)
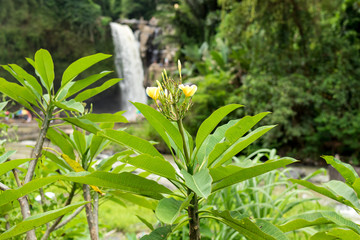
(94, 91)
(31, 61)
(71, 105)
(226, 176)
(13, 194)
(18, 93)
(106, 117)
(138, 200)
(313, 218)
(336, 233)
(226, 150)
(58, 161)
(81, 65)
(84, 124)
(80, 141)
(160, 233)
(303, 220)
(212, 121)
(83, 83)
(243, 225)
(323, 236)
(96, 145)
(149, 225)
(322, 190)
(346, 170)
(200, 182)
(156, 165)
(106, 164)
(213, 139)
(61, 93)
(344, 192)
(270, 229)
(137, 144)
(123, 181)
(168, 210)
(61, 141)
(33, 82)
(24, 83)
(7, 166)
(3, 105)
(355, 186)
(45, 68)
(6, 155)
(38, 220)
(162, 125)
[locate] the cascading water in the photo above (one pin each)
(129, 67)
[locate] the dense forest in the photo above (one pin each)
(298, 59)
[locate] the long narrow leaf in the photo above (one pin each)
(137, 144)
(80, 65)
(6, 155)
(212, 121)
(231, 178)
(106, 117)
(38, 220)
(45, 68)
(154, 165)
(243, 225)
(28, 77)
(7, 166)
(93, 91)
(163, 126)
(226, 150)
(84, 124)
(346, 170)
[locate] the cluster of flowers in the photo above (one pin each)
(168, 96)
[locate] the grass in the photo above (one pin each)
(114, 216)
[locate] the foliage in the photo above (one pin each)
(297, 59)
(269, 196)
(40, 94)
(191, 22)
(343, 192)
(202, 170)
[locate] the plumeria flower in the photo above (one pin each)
(188, 90)
(153, 92)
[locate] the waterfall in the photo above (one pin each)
(128, 67)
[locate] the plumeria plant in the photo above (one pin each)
(202, 166)
(75, 161)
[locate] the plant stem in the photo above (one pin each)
(39, 145)
(7, 222)
(71, 217)
(89, 215)
(3, 187)
(186, 150)
(194, 222)
(58, 220)
(24, 204)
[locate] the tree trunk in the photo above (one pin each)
(89, 214)
(194, 222)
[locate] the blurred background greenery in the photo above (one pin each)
(296, 58)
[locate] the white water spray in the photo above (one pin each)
(129, 67)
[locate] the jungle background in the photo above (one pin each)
(298, 59)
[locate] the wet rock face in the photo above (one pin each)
(155, 57)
